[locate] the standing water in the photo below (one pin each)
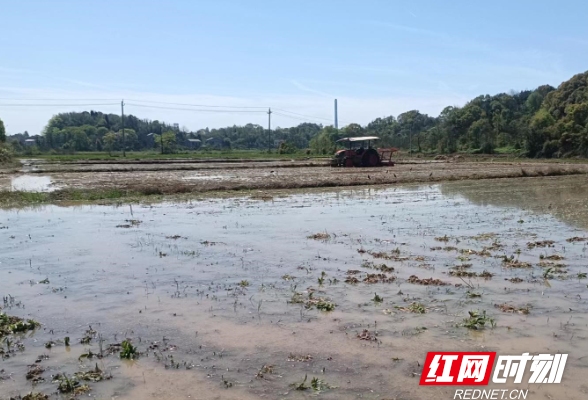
(337, 293)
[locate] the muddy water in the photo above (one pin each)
(205, 289)
(28, 183)
(32, 183)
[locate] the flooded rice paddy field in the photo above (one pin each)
(243, 299)
(201, 177)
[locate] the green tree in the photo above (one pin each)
(352, 130)
(481, 136)
(2, 132)
(131, 140)
(169, 142)
(287, 148)
(539, 130)
(109, 142)
(325, 142)
(79, 140)
(534, 102)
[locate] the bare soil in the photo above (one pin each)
(167, 178)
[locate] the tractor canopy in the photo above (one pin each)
(358, 139)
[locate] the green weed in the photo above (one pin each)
(128, 351)
(478, 321)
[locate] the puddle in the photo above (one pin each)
(31, 164)
(30, 183)
(207, 177)
(215, 292)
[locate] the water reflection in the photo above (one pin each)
(566, 197)
(30, 183)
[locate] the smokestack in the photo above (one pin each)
(336, 118)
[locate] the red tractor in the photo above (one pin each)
(359, 153)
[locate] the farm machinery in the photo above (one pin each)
(359, 153)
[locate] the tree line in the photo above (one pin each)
(545, 122)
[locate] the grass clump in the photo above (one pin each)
(302, 385)
(415, 307)
(319, 303)
(95, 375)
(377, 298)
(512, 309)
(426, 282)
(319, 236)
(511, 262)
(321, 279)
(316, 384)
(325, 306)
(70, 385)
(11, 324)
(478, 321)
(128, 351)
(32, 396)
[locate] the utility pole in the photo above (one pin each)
(161, 137)
(122, 114)
(269, 129)
(336, 117)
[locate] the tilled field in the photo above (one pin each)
(169, 178)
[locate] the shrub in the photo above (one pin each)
(487, 148)
(5, 155)
(550, 148)
(287, 148)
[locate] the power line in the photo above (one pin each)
(302, 115)
(297, 118)
(193, 105)
(306, 119)
(210, 108)
(217, 106)
(157, 102)
(307, 116)
(62, 99)
(196, 110)
(56, 105)
(289, 116)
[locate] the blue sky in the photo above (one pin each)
(378, 58)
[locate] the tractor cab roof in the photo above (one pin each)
(358, 139)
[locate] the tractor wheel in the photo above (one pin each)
(349, 162)
(370, 158)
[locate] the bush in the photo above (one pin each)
(550, 148)
(487, 148)
(5, 155)
(287, 148)
(31, 151)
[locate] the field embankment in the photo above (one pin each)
(40, 182)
